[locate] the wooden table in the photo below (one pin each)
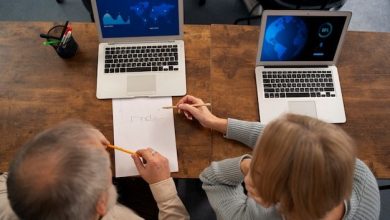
(364, 71)
(38, 89)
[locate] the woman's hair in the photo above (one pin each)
(303, 164)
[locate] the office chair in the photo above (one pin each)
(292, 5)
(302, 4)
(87, 4)
(201, 2)
(384, 187)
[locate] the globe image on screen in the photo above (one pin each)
(286, 37)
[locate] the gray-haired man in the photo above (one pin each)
(64, 173)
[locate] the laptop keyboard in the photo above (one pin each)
(141, 58)
(288, 84)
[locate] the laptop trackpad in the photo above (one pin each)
(303, 108)
(141, 84)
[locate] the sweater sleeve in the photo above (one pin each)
(244, 131)
(365, 199)
(119, 212)
(222, 182)
(169, 204)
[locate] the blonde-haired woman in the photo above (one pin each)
(302, 168)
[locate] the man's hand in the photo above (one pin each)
(155, 168)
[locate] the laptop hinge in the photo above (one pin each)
(142, 42)
(301, 66)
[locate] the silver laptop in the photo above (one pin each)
(141, 51)
(296, 64)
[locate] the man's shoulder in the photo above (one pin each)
(5, 207)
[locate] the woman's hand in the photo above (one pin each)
(202, 114)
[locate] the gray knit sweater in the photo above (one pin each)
(222, 183)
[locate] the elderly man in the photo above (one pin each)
(64, 173)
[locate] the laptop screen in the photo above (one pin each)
(301, 38)
(138, 18)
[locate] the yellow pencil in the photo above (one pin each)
(194, 105)
(121, 149)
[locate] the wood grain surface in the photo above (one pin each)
(234, 95)
(39, 89)
(192, 140)
(364, 70)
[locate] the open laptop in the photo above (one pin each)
(141, 51)
(295, 65)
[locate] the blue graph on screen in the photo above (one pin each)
(109, 20)
(125, 18)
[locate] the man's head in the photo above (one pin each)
(62, 173)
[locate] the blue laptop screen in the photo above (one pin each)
(138, 18)
(301, 38)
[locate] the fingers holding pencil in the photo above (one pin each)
(188, 105)
(153, 167)
(193, 107)
(157, 167)
(189, 99)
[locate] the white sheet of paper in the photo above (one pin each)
(140, 123)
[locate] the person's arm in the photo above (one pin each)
(6, 211)
(156, 172)
(365, 199)
(242, 131)
(222, 184)
(121, 212)
(169, 204)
